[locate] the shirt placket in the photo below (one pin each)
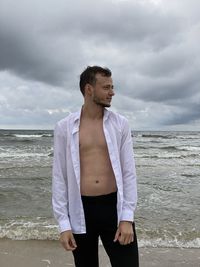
(76, 165)
(115, 165)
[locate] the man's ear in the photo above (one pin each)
(88, 89)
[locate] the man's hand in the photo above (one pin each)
(67, 240)
(124, 233)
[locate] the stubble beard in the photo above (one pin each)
(97, 101)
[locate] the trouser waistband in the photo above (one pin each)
(101, 198)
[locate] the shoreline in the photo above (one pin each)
(47, 253)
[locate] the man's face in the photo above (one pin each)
(103, 90)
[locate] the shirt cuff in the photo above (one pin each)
(127, 216)
(64, 226)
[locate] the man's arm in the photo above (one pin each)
(59, 190)
(128, 175)
(124, 232)
(59, 180)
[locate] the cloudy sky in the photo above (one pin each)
(151, 46)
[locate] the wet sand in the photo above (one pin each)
(35, 253)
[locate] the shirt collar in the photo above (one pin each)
(76, 121)
(106, 114)
(77, 116)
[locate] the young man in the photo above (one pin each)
(94, 190)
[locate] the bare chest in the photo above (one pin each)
(91, 136)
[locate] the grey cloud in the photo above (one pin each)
(167, 76)
(185, 117)
(29, 58)
(47, 44)
(129, 22)
(35, 104)
(152, 51)
(167, 90)
(29, 49)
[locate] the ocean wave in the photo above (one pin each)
(24, 155)
(168, 148)
(22, 140)
(38, 135)
(47, 135)
(28, 135)
(180, 148)
(188, 175)
(168, 237)
(6, 134)
(167, 135)
(46, 229)
(166, 156)
(24, 229)
(157, 136)
(189, 148)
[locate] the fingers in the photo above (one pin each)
(125, 239)
(73, 242)
(67, 240)
(129, 238)
(68, 245)
(125, 233)
(117, 235)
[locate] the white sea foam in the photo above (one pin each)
(32, 135)
(190, 148)
(24, 230)
(14, 154)
(28, 135)
(47, 229)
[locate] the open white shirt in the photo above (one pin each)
(66, 197)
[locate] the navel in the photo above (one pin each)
(97, 181)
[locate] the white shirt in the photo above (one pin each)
(66, 197)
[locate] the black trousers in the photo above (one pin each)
(101, 220)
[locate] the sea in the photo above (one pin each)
(168, 176)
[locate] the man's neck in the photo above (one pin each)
(92, 113)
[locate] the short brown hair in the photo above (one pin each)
(89, 76)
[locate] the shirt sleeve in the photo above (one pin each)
(59, 180)
(128, 175)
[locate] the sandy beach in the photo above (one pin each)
(35, 253)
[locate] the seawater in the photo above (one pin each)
(168, 174)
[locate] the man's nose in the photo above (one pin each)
(111, 92)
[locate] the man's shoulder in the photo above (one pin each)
(119, 118)
(119, 122)
(66, 120)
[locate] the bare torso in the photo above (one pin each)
(97, 176)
